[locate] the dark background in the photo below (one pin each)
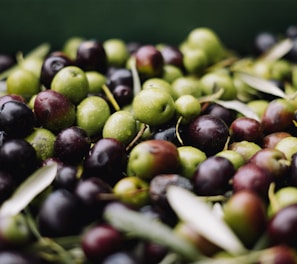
(24, 24)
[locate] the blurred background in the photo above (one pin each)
(24, 24)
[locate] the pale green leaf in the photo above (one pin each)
(137, 225)
(28, 190)
(201, 217)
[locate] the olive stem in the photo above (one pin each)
(111, 97)
(177, 130)
(137, 137)
(272, 199)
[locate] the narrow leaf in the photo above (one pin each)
(135, 76)
(28, 190)
(279, 50)
(261, 84)
(200, 216)
(137, 225)
(239, 107)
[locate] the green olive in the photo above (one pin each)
(157, 83)
(92, 113)
(186, 85)
(23, 82)
(195, 61)
(121, 125)
(234, 157)
(96, 80)
(220, 79)
(132, 190)
(72, 82)
(71, 45)
(116, 52)
(190, 157)
(171, 73)
(153, 106)
(207, 40)
(42, 141)
(188, 106)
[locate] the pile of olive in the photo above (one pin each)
(124, 122)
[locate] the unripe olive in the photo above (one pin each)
(92, 113)
(132, 190)
(121, 125)
(249, 210)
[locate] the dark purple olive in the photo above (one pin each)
(11, 97)
(54, 111)
(100, 241)
(123, 94)
(206, 132)
(168, 134)
(227, 115)
(278, 255)
(7, 185)
(212, 176)
(60, 214)
(51, 65)
(153, 253)
(91, 56)
(173, 56)
(107, 160)
(158, 191)
(245, 128)
(66, 177)
(16, 119)
(149, 61)
(19, 158)
(72, 145)
(120, 76)
(91, 193)
(282, 227)
(252, 178)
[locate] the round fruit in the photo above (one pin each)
(121, 125)
(153, 106)
(92, 113)
(72, 82)
(152, 157)
(23, 82)
(207, 133)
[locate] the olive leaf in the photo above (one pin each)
(39, 52)
(137, 225)
(201, 217)
(28, 190)
(261, 84)
(135, 76)
(278, 50)
(239, 107)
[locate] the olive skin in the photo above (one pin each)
(282, 227)
(18, 158)
(91, 56)
(106, 160)
(249, 209)
(206, 132)
(59, 214)
(212, 176)
(16, 119)
(71, 145)
(54, 111)
(100, 241)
